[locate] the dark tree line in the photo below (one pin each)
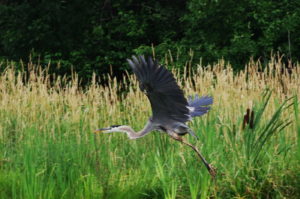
(91, 35)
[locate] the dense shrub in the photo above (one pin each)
(92, 35)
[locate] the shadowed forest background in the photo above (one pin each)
(94, 36)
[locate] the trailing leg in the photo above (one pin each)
(209, 167)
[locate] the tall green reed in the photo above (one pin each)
(48, 149)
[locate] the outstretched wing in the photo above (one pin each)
(166, 98)
(200, 106)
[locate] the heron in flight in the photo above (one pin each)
(170, 109)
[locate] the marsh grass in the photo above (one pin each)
(48, 149)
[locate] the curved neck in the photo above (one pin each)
(134, 135)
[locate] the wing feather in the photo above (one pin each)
(166, 98)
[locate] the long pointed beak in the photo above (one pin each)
(101, 130)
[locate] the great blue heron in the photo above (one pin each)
(170, 109)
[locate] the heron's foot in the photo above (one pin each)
(212, 171)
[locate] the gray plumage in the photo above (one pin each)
(170, 109)
(200, 105)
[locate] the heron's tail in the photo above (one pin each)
(199, 106)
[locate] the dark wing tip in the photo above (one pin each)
(166, 97)
(115, 125)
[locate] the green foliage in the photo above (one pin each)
(92, 35)
(237, 30)
(65, 160)
(257, 136)
(48, 148)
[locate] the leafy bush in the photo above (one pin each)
(92, 35)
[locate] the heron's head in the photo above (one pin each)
(113, 128)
